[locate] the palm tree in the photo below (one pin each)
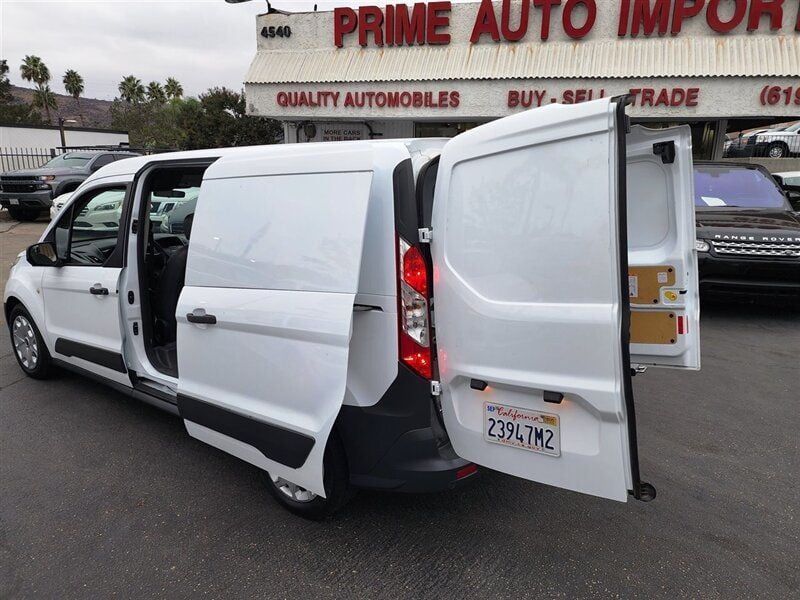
(155, 93)
(73, 83)
(46, 99)
(33, 69)
(131, 89)
(173, 88)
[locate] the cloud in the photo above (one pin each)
(203, 43)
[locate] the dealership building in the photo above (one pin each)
(436, 68)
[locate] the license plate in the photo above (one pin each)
(14, 201)
(521, 428)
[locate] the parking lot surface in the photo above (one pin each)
(102, 496)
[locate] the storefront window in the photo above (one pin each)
(427, 129)
(702, 135)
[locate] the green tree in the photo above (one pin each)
(173, 88)
(155, 93)
(33, 69)
(217, 119)
(46, 99)
(131, 90)
(220, 121)
(73, 83)
(11, 109)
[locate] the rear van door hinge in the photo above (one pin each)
(425, 235)
(436, 388)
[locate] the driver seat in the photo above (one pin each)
(170, 285)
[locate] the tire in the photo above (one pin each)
(28, 346)
(23, 214)
(777, 150)
(336, 479)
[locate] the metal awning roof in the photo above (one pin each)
(734, 56)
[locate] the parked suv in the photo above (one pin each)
(27, 193)
(748, 236)
(388, 314)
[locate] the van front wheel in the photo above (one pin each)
(307, 504)
(29, 347)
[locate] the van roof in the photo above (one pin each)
(130, 166)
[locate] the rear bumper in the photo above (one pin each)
(749, 276)
(42, 199)
(398, 444)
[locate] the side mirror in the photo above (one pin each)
(43, 255)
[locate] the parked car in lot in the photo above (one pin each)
(173, 221)
(58, 204)
(790, 182)
(161, 207)
(291, 324)
(27, 193)
(748, 237)
(781, 142)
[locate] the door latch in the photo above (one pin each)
(425, 235)
(436, 388)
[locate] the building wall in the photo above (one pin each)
(752, 64)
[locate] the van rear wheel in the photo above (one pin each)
(307, 504)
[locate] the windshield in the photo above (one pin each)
(737, 187)
(71, 161)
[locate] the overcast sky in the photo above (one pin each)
(202, 43)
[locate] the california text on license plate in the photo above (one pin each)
(521, 428)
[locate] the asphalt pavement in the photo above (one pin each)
(102, 496)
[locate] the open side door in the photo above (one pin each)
(662, 270)
(531, 298)
(264, 318)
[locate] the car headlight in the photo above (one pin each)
(47, 178)
(701, 245)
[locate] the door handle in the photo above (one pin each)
(201, 318)
(98, 290)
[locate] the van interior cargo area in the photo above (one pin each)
(163, 266)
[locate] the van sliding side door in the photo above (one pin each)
(265, 316)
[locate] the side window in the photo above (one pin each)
(87, 234)
(102, 161)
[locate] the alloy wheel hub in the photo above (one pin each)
(291, 490)
(25, 344)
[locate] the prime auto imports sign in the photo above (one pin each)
(429, 23)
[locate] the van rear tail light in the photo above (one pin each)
(414, 314)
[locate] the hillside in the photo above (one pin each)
(92, 112)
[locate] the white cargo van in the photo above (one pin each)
(388, 314)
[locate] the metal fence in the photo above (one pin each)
(773, 144)
(32, 158)
(24, 158)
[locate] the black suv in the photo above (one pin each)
(29, 192)
(748, 238)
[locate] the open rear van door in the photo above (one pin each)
(265, 315)
(531, 298)
(662, 260)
